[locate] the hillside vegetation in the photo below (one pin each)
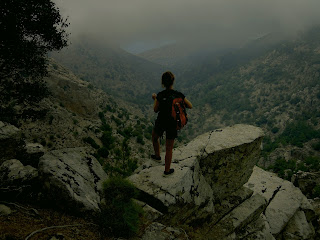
(279, 91)
(111, 69)
(270, 82)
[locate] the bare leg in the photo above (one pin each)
(169, 147)
(156, 143)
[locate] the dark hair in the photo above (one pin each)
(167, 79)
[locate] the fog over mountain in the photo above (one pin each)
(147, 23)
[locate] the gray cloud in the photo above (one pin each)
(154, 21)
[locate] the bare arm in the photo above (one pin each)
(188, 103)
(156, 103)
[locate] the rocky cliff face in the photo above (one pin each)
(217, 193)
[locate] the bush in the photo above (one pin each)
(120, 214)
(140, 140)
(316, 192)
(107, 139)
(284, 168)
(316, 146)
(103, 152)
(91, 142)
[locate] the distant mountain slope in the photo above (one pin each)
(278, 90)
(76, 114)
(168, 55)
(117, 72)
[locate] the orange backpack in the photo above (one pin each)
(179, 112)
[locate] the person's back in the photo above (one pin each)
(165, 99)
(164, 121)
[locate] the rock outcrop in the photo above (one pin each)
(217, 192)
(208, 169)
(286, 205)
(17, 180)
(72, 178)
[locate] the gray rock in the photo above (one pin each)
(8, 131)
(33, 152)
(72, 178)
(208, 169)
(14, 173)
(284, 199)
(10, 142)
(298, 227)
(4, 210)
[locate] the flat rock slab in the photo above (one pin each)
(72, 178)
(210, 167)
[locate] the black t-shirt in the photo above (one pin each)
(165, 99)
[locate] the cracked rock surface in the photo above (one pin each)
(208, 169)
(288, 212)
(73, 178)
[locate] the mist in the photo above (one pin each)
(138, 25)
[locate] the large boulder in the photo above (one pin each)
(17, 180)
(14, 173)
(72, 178)
(207, 170)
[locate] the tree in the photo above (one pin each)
(29, 29)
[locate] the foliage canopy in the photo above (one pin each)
(29, 29)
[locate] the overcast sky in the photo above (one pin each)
(147, 23)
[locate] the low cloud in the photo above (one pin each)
(128, 22)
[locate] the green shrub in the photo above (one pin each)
(91, 142)
(316, 146)
(282, 166)
(103, 152)
(275, 130)
(120, 214)
(123, 165)
(107, 139)
(316, 192)
(313, 163)
(51, 119)
(140, 140)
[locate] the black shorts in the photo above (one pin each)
(160, 127)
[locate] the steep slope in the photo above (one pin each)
(76, 115)
(115, 71)
(279, 91)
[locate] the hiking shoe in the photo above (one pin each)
(155, 157)
(170, 172)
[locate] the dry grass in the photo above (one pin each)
(22, 222)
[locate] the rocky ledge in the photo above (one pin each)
(216, 192)
(208, 169)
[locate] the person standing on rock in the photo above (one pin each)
(164, 121)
